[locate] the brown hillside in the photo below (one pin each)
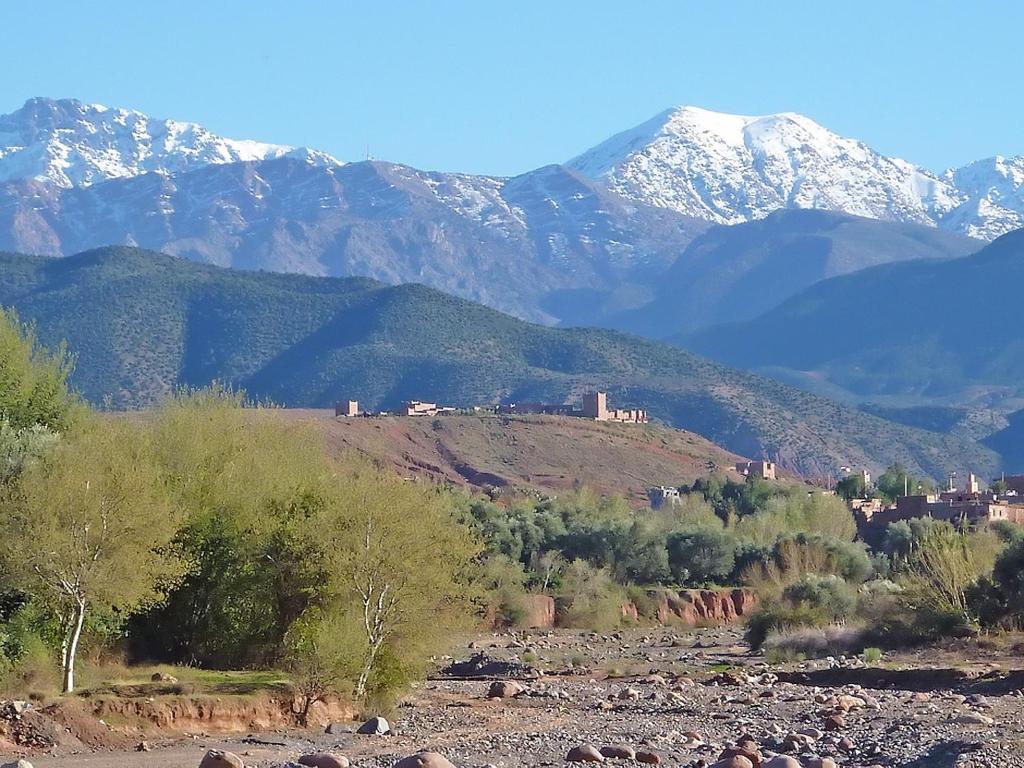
(527, 452)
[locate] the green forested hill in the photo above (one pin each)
(141, 323)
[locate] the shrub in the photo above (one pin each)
(589, 598)
(872, 655)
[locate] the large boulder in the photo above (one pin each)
(781, 761)
(375, 726)
(425, 760)
(17, 764)
(217, 758)
(324, 760)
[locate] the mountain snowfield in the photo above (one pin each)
(68, 143)
(731, 168)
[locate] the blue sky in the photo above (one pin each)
(501, 88)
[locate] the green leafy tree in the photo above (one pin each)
(897, 481)
(33, 380)
(852, 487)
(88, 527)
(701, 555)
(247, 481)
(396, 561)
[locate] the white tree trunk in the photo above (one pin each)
(71, 646)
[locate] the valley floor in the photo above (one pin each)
(960, 706)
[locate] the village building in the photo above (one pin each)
(419, 408)
(346, 408)
(662, 496)
(763, 469)
(595, 406)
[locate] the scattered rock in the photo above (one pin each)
(781, 761)
(375, 726)
(163, 677)
(216, 758)
(584, 753)
(651, 758)
(335, 728)
(142, 746)
(17, 764)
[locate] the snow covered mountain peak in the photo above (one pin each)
(70, 143)
(734, 168)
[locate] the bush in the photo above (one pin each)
(814, 642)
(812, 602)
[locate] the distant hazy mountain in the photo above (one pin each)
(738, 272)
(733, 168)
(142, 323)
(921, 329)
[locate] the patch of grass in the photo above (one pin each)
(872, 655)
(136, 680)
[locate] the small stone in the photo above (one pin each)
(504, 689)
(217, 758)
(584, 753)
(736, 761)
(835, 723)
(618, 752)
(974, 718)
(748, 751)
(142, 746)
(163, 677)
(820, 762)
(324, 760)
(781, 761)
(376, 726)
(651, 758)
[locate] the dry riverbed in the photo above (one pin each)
(684, 696)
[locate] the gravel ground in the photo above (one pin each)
(685, 696)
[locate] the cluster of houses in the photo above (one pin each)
(970, 503)
(594, 407)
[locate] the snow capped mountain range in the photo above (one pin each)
(68, 143)
(731, 168)
(717, 167)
